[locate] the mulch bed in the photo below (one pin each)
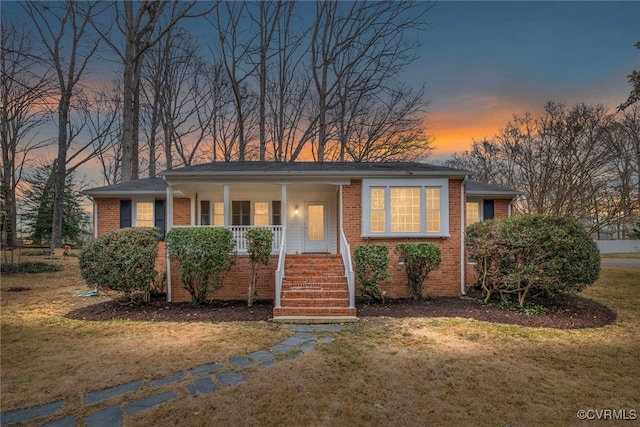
(566, 313)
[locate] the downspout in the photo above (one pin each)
(169, 227)
(463, 259)
(95, 218)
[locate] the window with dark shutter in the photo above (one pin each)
(276, 215)
(125, 213)
(487, 209)
(159, 216)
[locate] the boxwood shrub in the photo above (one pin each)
(122, 261)
(206, 255)
(532, 255)
(371, 264)
(419, 260)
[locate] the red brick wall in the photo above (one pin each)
(444, 281)
(235, 285)
(109, 214)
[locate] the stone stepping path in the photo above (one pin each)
(208, 379)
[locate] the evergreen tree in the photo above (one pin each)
(38, 212)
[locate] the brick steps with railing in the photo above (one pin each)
(314, 286)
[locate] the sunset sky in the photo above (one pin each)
(483, 62)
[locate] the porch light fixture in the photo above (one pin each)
(295, 211)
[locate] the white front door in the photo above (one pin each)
(315, 228)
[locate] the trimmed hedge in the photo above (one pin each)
(29, 267)
(206, 255)
(121, 260)
(372, 262)
(533, 255)
(419, 260)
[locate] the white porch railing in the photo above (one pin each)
(345, 250)
(239, 235)
(280, 269)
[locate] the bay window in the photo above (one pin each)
(405, 207)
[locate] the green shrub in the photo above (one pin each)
(205, 254)
(533, 255)
(259, 244)
(419, 260)
(29, 267)
(122, 261)
(372, 262)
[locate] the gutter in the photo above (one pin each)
(463, 260)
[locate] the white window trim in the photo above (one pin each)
(423, 184)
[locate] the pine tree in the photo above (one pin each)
(38, 212)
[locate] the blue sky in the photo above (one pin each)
(485, 61)
(482, 62)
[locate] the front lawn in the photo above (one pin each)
(380, 371)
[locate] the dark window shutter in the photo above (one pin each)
(158, 217)
(276, 215)
(125, 213)
(487, 209)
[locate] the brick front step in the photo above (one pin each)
(314, 311)
(315, 302)
(315, 293)
(314, 286)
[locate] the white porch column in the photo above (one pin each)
(283, 204)
(227, 204)
(169, 220)
(193, 209)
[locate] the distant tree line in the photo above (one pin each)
(581, 161)
(273, 80)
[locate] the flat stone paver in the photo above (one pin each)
(110, 417)
(305, 336)
(328, 328)
(166, 380)
(268, 363)
(108, 393)
(230, 378)
(301, 328)
(282, 348)
(30, 413)
(309, 345)
(202, 386)
(205, 369)
(304, 339)
(240, 361)
(294, 355)
(149, 402)
(65, 422)
(262, 356)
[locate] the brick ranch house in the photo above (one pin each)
(319, 212)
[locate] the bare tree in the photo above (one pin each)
(236, 44)
(576, 161)
(104, 130)
(356, 49)
(139, 23)
(62, 29)
(24, 109)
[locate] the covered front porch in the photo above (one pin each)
(305, 218)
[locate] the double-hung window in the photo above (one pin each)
(405, 207)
